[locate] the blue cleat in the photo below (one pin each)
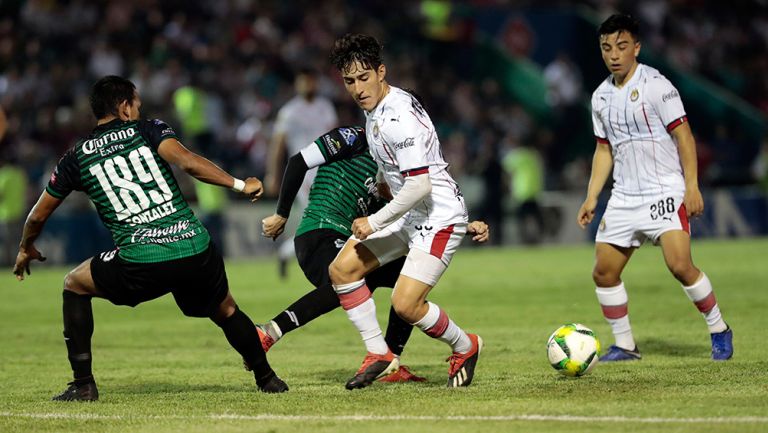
(616, 353)
(722, 345)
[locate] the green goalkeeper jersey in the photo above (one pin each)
(345, 185)
(133, 189)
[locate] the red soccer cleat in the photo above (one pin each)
(374, 366)
(266, 340)
(402, 374)
(462, 365)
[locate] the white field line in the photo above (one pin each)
(304, 418)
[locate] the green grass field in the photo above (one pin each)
(161, 372)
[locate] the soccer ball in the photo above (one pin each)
(572, 349)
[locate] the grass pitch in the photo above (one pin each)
(161, 372)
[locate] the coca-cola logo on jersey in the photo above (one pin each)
(671, 95)
(408, 142)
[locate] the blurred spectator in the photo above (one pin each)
(13, 208)
(212, 201)
(525, 169)
(563, 80)
(494, 187)
(191, 104)
(299, 122)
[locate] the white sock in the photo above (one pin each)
(356, 300)
(436, 324)
(703, 297)
(364, 318)
(613, 301)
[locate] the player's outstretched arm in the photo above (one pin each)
(204, 170)
(33, 226)
(686, 148)
(602, 161)
(274, 225)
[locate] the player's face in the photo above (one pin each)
(365, 85)
(619, 51)
(306, 85)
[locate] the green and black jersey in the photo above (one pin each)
(345, 185)
(133, 189)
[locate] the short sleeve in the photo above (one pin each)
(407, 136)
(65, 177)
(155, 131)
(665, 99)
(598, 127)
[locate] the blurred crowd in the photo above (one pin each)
(726, 42)
(219, 71)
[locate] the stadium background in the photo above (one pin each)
(495, 75)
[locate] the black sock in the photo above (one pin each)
(398, 332)
(78, 330)
(309, 307)
(241, 334)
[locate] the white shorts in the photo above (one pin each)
(398, 239)
(629, 226)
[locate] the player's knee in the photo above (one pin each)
(604, 277)
(340, 274)
(683, 270)
(406, 310)
(225, 310)
(73, 283)
(334, 273)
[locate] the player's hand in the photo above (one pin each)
(361, 229)
(479, 231)
(384, 191)
(273, 226)
(23, 259)
(253, 188)
(694, 203)
(586, 212)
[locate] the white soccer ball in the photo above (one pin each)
(573, 349)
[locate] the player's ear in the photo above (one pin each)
(381, 71)
(637, 48)
(124, 110)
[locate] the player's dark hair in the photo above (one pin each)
(620, 23)
(356, 48)
(108, 93)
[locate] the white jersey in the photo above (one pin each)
(636, 120)
(302, 122)
(403, 142)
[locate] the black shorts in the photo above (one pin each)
(316, 249)
(198, 283)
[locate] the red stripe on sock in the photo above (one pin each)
(440, 241)
(614, 311)
(439, 327)
(354, 298)
(707, 304)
